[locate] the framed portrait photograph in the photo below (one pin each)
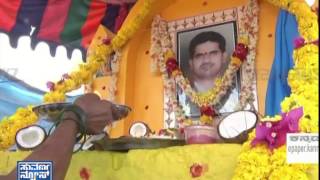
(204, 45)
(203, 55)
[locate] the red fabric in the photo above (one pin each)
(53, 20)
(123, 12)
(97, 11)
(8, 14)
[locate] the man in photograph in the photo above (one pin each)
(208, 60)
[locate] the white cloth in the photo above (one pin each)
(231, 102)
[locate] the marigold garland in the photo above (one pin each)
(85, 73)
(259, 162)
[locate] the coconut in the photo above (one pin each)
(236, 126)
(77, 147)
(139, 129)
(30, 137)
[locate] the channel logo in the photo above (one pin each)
(34, 170)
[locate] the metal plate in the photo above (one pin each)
(128, 143)
(51, 111)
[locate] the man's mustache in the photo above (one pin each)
(205, 65)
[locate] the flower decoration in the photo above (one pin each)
(164, 58)
(241, 51)
(299, 42)
(171, 65)
(66, 76)
(207, 110)
(50, 85)
(274, 133)
(303, 78)
(115, 63)
(258, 162)
(84, 173)
(207, 114)
(106, 41)
(196, 170)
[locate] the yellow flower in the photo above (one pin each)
(53, 97)
(187, 122)
(169, 54)
(303, 80)
(236, 61)
(273, 119)
(244, 39)
(176, 73)
(206, 120)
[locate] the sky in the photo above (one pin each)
(36, 67)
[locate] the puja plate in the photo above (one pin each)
(51, 111)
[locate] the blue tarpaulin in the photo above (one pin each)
(15, 93)
(278, 88)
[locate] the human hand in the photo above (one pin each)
(99, 112)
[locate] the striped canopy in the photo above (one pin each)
(71, 23)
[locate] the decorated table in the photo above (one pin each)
(212, 161)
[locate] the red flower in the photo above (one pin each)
(171, 65)
(197, 170)
(106, 41)
(50, 85)
(181, 130)
(241, 51)
(84, 173)
(207, 110)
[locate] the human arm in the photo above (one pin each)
(58, 147)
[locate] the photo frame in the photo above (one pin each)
(227, 23)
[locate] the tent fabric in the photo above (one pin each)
(70, 23)
(278, 88)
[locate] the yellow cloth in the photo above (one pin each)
(164, 164)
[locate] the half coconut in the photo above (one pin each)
(235, 126)
(30, 137)
(139, 129)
